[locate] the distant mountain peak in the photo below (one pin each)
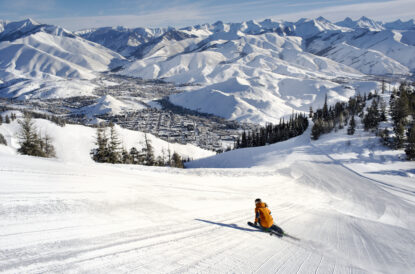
(363, 22)
(364, 18)
(322, 19)
(31, 21)
(401, 25)
(302, 20)
(218, 23)
(11, 31)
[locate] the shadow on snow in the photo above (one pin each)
(234, 226)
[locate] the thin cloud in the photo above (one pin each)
(383, 11)
(314, 3)
(167, 17)
(18, 5)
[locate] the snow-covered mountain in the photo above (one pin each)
(254, 71)
(363, 22)
(10, 31)
(400, 25)
(120, 39)
(37, 50)
(259, 71)
(42, 54)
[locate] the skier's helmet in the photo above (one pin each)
(257, 201)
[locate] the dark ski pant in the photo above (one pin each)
(274, 228)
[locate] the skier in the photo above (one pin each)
(264, 219)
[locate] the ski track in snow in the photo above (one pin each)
(70, 218)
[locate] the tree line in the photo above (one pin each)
(7, 119)
(109, 150)
(35, 115)
(402, 113)
(270, 134)
(335, 117)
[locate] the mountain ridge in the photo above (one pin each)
(288, 66)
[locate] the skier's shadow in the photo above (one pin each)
(234, 226)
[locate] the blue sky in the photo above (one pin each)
(79, 14)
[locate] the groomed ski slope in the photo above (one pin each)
(58, 217)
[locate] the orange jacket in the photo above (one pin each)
(263, 215)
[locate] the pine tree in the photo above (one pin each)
(325, 109)
(168, 155)
(126, 157)
(372, 118)
(399, 103)
(310, 114)
(382, 110)
(148, 152)
(30, 143)
(392, 100)
(100, 154)
(244, 141)
(237, 143)
(114, 150)
(1, 119)
(177, 160)
(7, 120)
(352, 126)
(159, 161)
(49, 149)
(163, 157)
(384, 135)
(317, 129)
(370, 96)
(399, 135)
(410, 147)
(134, 154)
(352, 105)
(360, 104)
(3, 140)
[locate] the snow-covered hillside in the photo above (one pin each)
(73, 143)
(39, 55)
(108, 105)
(85, 217)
